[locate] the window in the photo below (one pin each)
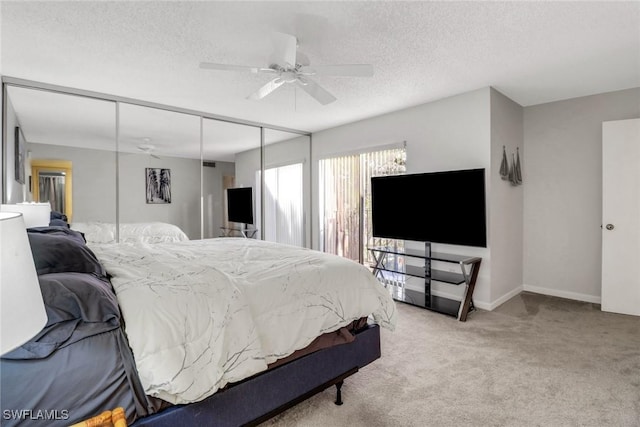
(345, 201)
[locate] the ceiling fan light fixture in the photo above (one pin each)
(293, 67)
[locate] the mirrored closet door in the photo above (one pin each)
(68, 145)
(286, 201)
(159, 178)
(115, 166)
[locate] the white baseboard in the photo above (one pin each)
(537, 290)
(495, 304)
(563, 294)
(483, 305)
(490, 306)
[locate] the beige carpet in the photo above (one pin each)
(534, 361)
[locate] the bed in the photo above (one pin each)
(220, 332)
(134, 232)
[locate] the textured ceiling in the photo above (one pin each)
(533, 52)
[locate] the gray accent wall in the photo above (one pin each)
(505, 201)
(563, 192)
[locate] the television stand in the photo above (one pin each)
(247, 233)
(389, 270)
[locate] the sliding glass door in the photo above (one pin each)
(345, 200)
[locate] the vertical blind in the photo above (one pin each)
(283, 205)
(345, 200)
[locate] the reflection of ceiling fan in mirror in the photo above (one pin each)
(293, 67)
(148, 149)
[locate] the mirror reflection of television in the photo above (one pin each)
(240, 205)
(440, 207)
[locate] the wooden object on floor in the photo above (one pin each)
(115, 418)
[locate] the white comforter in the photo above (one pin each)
(203, 313)
(134, 232)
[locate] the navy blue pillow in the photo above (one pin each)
(78, 306)
(58, 223)
(62, 250)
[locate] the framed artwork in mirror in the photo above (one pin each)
(158, 185)
(19, 156)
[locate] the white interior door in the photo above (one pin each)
(621, 216)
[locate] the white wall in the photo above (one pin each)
(563, 193)
(451, 133)
(505, 201)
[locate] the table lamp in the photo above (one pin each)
(22, 312)
(33, 214)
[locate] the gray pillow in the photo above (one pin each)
(60, 250)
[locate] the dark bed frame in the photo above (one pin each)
(261, 397)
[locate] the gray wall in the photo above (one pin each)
(505, 201)
(451, 133)
(94, 187)
(15, 192)
(184, 209)
(563, 192)
(94, 183)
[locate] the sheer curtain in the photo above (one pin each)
(52, 191)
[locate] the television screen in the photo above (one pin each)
(240, 205)
(441, 207)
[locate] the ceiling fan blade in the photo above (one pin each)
(346, 70)
(284, 50)
(266, 89)
(228, 67)
(316, 91)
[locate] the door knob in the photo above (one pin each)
(610, 226)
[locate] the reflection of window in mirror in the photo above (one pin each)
(52, 182)
(228, 181)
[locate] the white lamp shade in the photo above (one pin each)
(22, 311)
(34, 214)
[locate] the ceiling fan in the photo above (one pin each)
(293, 67)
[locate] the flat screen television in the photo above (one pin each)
(440, 207)
(240, 205)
